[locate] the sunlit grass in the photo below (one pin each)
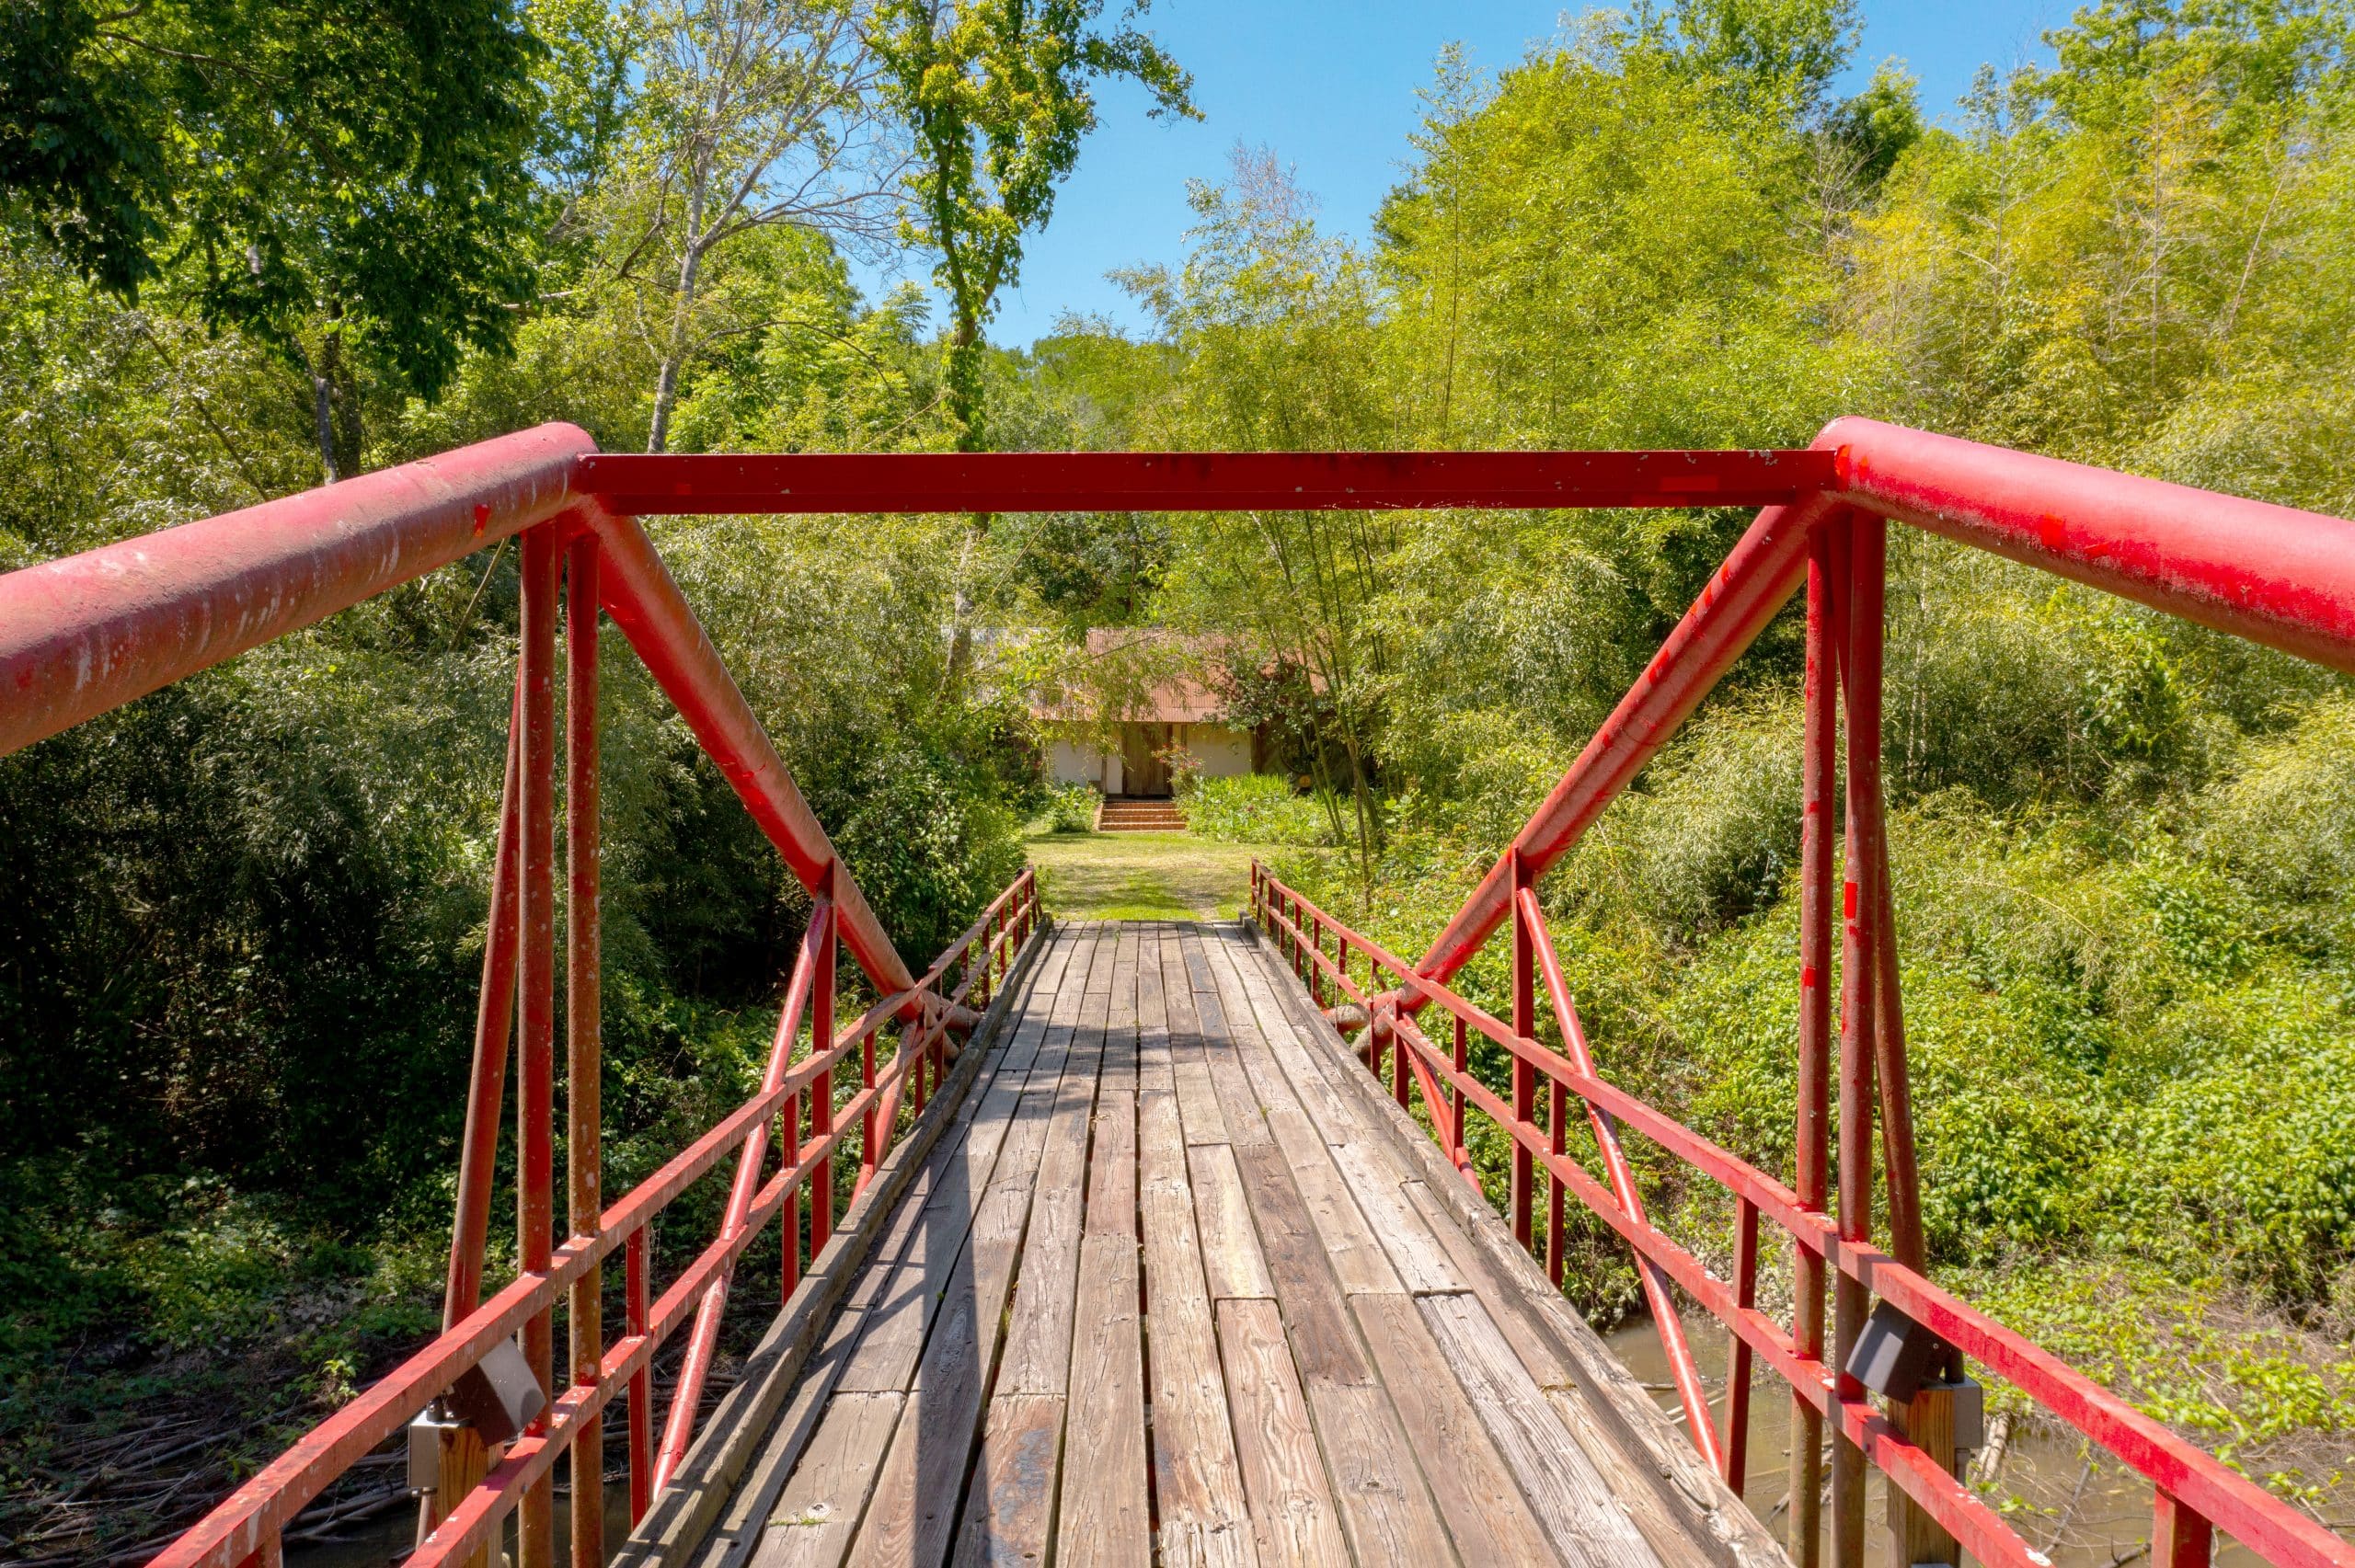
(1141, 876)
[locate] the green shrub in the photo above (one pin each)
(1255, 809)
(1071, 808)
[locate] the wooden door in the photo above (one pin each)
(1144, 770)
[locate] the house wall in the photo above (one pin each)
(1223, 753)
(1069, 764)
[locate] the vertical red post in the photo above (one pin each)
(1868, 546)
(1316, 974)
(822, 1088)
(462, 1457)
(1858, 621)
(494, 1017)
(1745, 1294)
(789, 1144)
(869, 1155)
(1893, 1076)
(1557, 1136)
(641, 1382)
(1400, 1081)
(536, 1003)
(583, 1068)
(1524, 1077)
(1819, 774)
(2180, 1537)
(1456, 1119)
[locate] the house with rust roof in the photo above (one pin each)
(1137, 700)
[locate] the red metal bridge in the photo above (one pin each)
(1137, 1254)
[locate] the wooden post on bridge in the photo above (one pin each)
(1928, 1420)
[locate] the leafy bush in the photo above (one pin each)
(1255, 809)
(1072, 807)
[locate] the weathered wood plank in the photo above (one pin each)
(1196, 1096)
(913, 1511)
(1036, 1360)
(901, 1317)
(1198, 971)
(1532, 1340)
(1369, 1168)
(1154, 1064)
(1386, 1511)
(1197, 1486)
(1476, 1495)
(1585, 1520)
(1232, 1265)
(1243, 1122)
(1099, 972)
(1670, 1495)
(1403, 1235)
(897, 1323)
(1359, 1262)
(1323, 1341)
(1010, 1509)
(899, 1303)
(1293, 1518)
(714, 1507)
(819, 1512)
(1112, 1167)
(1103, 1513)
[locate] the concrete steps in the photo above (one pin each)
(1128, 814)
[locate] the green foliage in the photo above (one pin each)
(328, 157)
(999, 94)
(1255, 809)
(1775, 53)
(355, 176)
(1071, 808)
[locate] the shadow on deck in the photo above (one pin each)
(1176, 1281)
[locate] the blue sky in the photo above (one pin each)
(1330, 87)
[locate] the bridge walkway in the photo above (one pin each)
(1178, 1282)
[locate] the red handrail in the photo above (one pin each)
(2180, 1471)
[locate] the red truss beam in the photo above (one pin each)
(1200, 481)
(88, 633)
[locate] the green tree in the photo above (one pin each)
(1000, 93)
(1765, 52)
(751, 115)
(344, 177)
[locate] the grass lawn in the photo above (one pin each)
(1141, 876)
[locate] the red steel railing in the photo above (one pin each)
(2194, 1490)
(2267, 573)
(83, 635)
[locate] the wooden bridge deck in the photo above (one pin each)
(1176, 1281)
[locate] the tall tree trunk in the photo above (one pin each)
(323, 419)
(674, 354)
(964, 376)
(682, 312)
